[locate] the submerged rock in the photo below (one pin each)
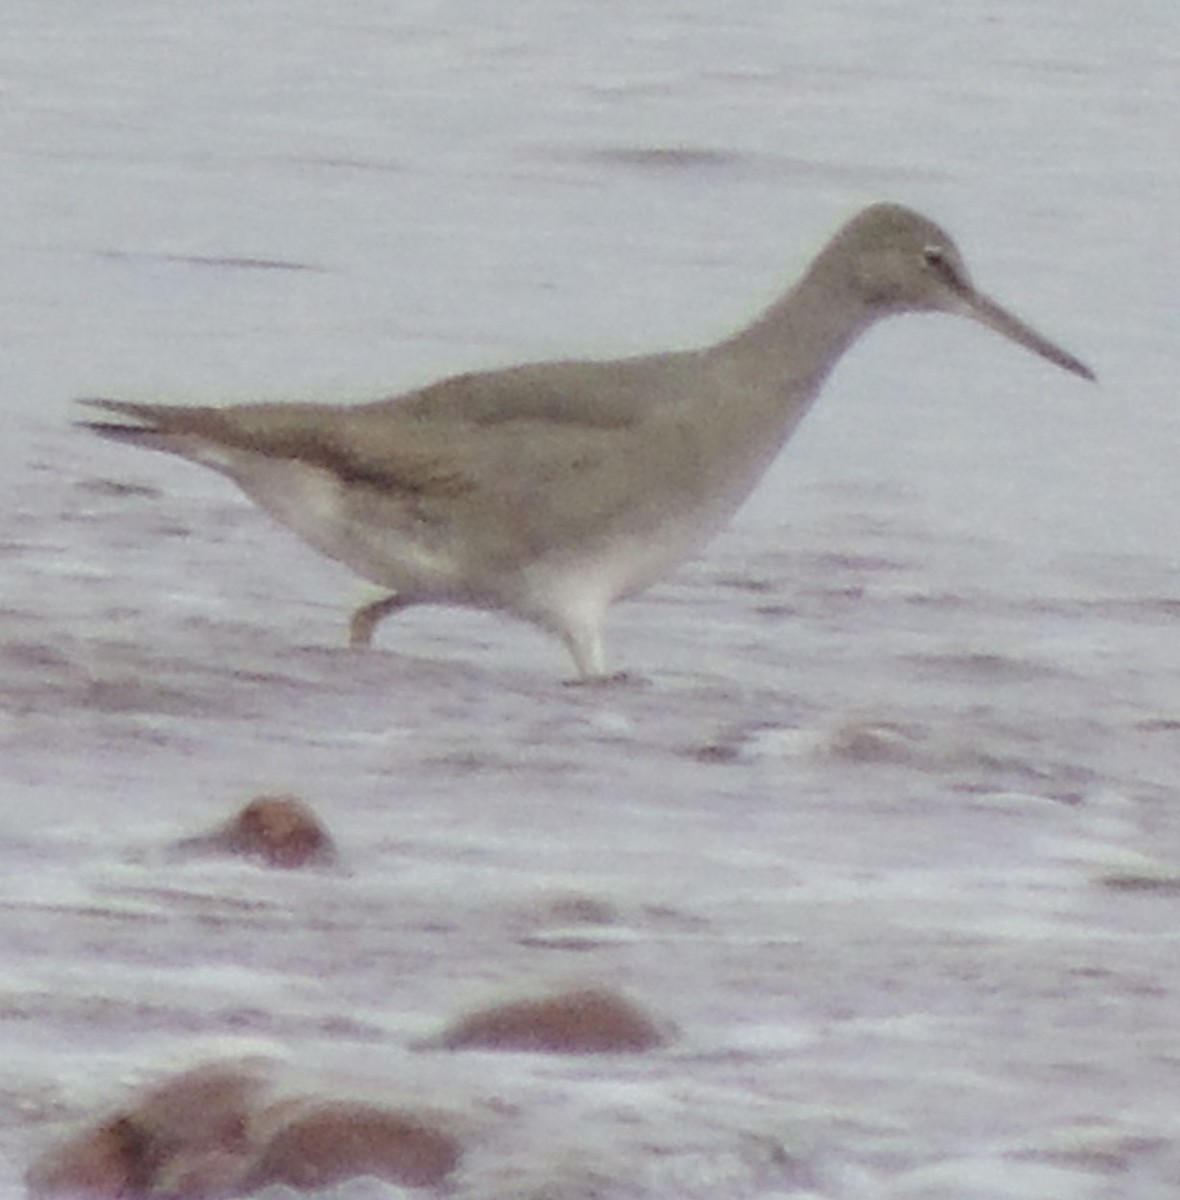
(219, 1132)
(327, 1143)
(280, 831)
(187, 1137)
(583, 1021)
(104, 1161)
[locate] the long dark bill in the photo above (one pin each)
(995, 316)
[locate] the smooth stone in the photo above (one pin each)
(219, 1132)
(106, 1161)
(327, 1143)
(280, 831)
(199, 1116)
(583, 1021)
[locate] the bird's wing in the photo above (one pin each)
(606, 394)
(392, 454)
(442, 439)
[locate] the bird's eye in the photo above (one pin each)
(935, 256)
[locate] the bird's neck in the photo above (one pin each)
(788, 352)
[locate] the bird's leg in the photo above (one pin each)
(366, 618)
(583, 639)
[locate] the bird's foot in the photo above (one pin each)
(615, 679)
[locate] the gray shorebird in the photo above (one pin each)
(549, 491)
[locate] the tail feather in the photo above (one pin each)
(139, 416)
(156, 427)
(128, 408)
(355, 445)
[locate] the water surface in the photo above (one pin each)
(891, 833)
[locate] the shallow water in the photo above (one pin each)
(890, 833)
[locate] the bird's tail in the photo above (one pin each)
(190, 432)
(141, 424)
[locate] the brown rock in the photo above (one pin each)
(208, 1107)
(201, 1175)
(182, 1129)
(280, 831)
(105, 1161)
(587, 1021)
(218, 1132)
(334, 1141)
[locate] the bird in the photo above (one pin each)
(550, 490)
